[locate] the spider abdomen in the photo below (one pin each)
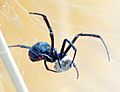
(37, 51)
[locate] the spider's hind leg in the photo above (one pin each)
(21, 46)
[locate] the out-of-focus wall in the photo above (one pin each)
(67, 18)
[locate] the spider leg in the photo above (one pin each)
(49, 29)
(45, 63)
(21, 46)
(71, 45)
(76, 70)
(90, 35)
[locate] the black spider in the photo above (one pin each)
(48, 53)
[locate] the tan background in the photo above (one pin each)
(67, 18)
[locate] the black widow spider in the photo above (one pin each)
(43, 51)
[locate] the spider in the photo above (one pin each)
(48, 53)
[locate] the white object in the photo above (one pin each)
(65, 64)
(11, 66)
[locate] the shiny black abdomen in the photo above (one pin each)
(37, 51)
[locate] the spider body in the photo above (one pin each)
(41, 51)
(48, 53)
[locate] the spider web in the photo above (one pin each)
(69, 18)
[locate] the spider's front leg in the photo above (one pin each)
(49, 29)
(66, 59)
(47, 68)
(63, 53)
(76, 70)
(89, 35)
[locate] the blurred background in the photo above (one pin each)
(67, 18)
